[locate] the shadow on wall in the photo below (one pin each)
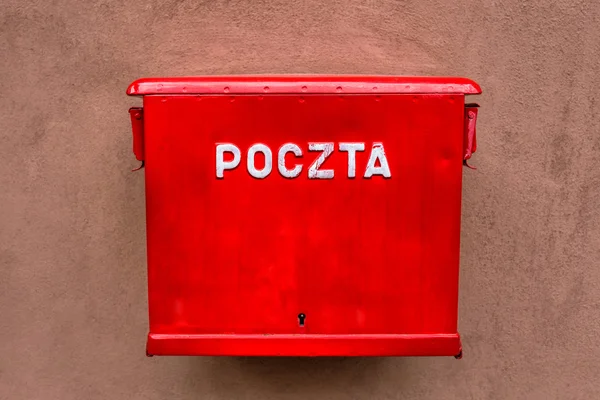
(229, 376)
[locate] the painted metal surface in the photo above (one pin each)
(470, 135)
(303, 84)
(137, 127)
(303, 224)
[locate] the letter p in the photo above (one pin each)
(222, 165)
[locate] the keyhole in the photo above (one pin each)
(301, 318)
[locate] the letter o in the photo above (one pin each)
(259, 148)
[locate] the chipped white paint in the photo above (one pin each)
(283, 150)
(222, 165)
(378, 153)
(313, 170)
(259, 148)
(352, 148)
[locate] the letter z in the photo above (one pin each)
(313, 170)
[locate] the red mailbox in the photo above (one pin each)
(303, 215)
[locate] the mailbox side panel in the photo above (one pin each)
(233, 257)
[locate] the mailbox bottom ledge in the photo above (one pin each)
(305, 345)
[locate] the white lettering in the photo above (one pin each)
(222, 165)
(313, 171)
(378, 153)
(283, 150)
(352, 148)
(377, 164)
(259, 148)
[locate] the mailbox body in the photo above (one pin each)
(240, 265)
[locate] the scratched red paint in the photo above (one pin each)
(372, 263)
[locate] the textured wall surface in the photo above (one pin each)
(73, 312)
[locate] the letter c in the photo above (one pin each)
(283, 150)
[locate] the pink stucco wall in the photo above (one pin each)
(73, 313)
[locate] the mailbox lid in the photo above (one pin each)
(292, 84)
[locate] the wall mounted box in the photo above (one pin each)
(303, 215)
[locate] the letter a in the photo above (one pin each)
(378, 153)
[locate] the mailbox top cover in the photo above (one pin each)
(302, 84)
